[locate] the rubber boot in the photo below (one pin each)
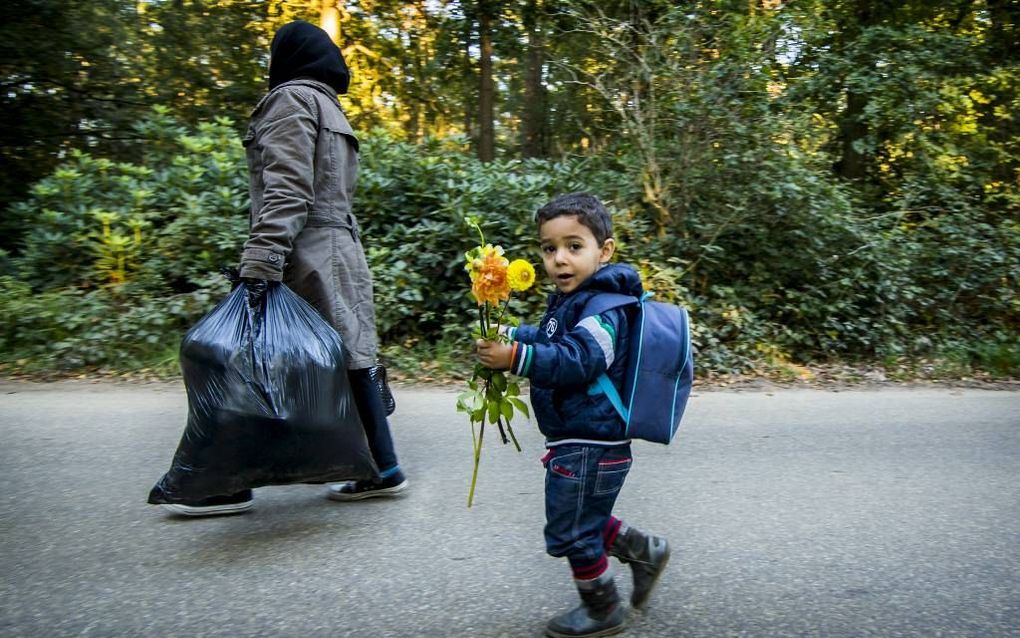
(647, 556)
(599, 614)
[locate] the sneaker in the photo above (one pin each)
(214, 505)
(358, 490)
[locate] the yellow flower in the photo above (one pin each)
(520, 274)
(488, 277)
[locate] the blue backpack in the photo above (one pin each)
(660, 367)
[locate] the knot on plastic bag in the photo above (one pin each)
(232, 274)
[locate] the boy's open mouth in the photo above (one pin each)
(564, 277)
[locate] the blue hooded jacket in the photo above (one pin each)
(564, 354)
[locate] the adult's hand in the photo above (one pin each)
(256, 290)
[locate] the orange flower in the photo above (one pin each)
(489, 281)
(476, 257)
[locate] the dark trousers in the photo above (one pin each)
(373, 418)
(581, 486)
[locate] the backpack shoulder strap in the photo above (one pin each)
(596, 306)
(604, 301)
(605, 385)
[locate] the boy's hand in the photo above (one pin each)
(494, 355)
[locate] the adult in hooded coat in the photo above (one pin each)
(303, 164)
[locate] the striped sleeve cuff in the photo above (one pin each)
(511, 333)
(520, 362)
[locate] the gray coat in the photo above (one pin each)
(303, 164)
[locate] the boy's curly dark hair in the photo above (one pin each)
(589, 211)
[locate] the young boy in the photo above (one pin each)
(588, 453)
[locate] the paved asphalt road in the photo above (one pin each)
(793, 513)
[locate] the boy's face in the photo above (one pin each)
(570, 251)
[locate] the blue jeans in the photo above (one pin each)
(581, 486)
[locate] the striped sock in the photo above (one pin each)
(591, 571)
(613, 529)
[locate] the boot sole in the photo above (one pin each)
(388, 491)
(605, 632)
(643, 603)
(211, 510)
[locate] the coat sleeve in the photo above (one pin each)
(287, 139)
(578, 358)
(525, 333)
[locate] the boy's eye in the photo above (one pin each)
(576, 246)
(548, 249)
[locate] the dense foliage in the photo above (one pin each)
(819, 181)
(121, 258)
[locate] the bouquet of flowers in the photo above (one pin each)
(492, 397)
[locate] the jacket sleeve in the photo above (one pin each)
(525, 333)
(287, 139)
(585, 352)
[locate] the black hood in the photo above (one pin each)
(302, 50)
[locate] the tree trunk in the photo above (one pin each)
(418, 87)
(852, 164)
(412, 70)
(329, 18)
(1004, 29)
(486, 89)
(852, 128)
(468, 87)
(1003, 41)
(533, 139)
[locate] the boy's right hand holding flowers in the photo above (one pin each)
(494, 355)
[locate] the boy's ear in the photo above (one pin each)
(608, 248)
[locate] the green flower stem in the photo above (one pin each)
(502, 432)
(511, 430)
(478, 457)
(477, 227)
(499, 318)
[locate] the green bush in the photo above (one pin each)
(120, 259)
(779, 265)
(71, 329)
(412, 201)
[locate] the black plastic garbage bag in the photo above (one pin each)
(269, 402)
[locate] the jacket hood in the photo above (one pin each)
(302, 50)
(619, 278)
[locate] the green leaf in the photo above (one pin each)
(521, 406)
